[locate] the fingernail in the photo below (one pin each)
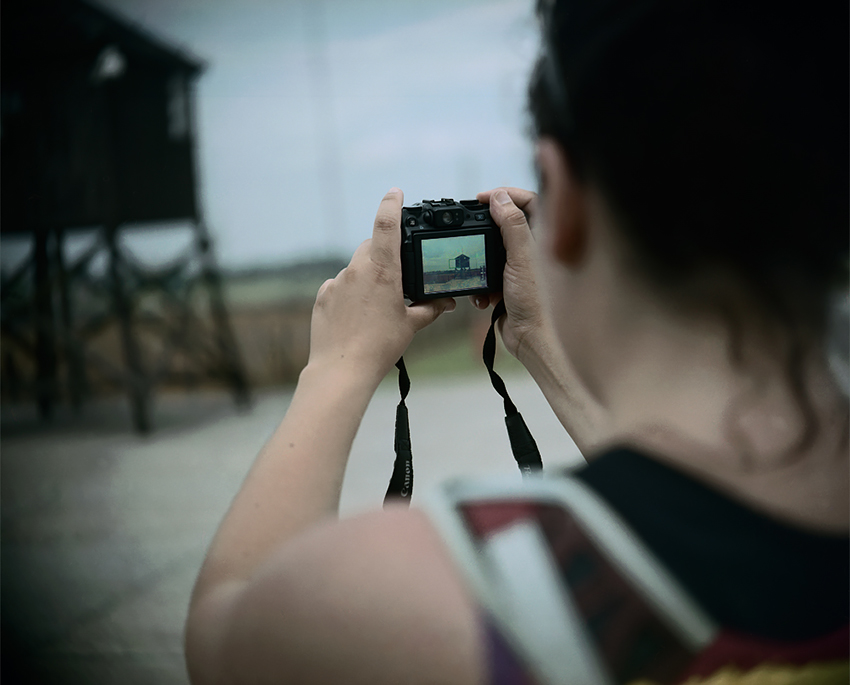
(479, 302)
(393, 190)
(501, 197)
(450, 306)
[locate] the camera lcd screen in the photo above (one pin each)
(453, 264)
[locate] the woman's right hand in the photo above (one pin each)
(527, 319)
(528, 330)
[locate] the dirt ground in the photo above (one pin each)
(103, 531)
(455, 284)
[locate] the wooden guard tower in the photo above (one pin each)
(97, 134)
(461, 264)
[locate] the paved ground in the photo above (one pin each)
(103, 531)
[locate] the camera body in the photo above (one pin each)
(450, 248)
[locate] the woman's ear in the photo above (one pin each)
(565, 202)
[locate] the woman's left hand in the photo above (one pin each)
(360, 319)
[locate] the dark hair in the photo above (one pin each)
(718, 132)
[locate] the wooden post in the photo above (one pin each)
(230, 359)
(74, 360)
(45, 333)
(137, 380)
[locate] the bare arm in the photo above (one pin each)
(372, 600)
(278, 597)
(527, 330)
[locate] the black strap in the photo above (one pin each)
(490, 356)
(401, 484)
(522, 443)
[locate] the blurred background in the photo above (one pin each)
(302, 114)
(179, 177)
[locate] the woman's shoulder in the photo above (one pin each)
(375, 598)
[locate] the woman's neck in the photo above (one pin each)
(678, 392)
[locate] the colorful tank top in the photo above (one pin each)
(630, 572)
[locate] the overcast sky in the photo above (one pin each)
(310, 110)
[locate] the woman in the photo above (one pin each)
(673, 309)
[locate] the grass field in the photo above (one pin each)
(270, 309)
(457, 355)
(272, 286)
(269, 313)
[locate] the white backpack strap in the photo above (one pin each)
(517, 579)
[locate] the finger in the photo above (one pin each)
(526, 200)
(480, 301)
(511, 219)
(325, 286)
(362, 252)
(386, 235)
(425, 313)
(321, 294)
(486, 300)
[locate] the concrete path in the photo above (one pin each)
(103, 532)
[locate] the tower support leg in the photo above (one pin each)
(45, 331)
(226, 341)
(137, 380)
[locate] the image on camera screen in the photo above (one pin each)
(454, 263)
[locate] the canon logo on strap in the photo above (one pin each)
(408, 476)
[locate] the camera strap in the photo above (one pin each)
(401, 482)
(522, 443)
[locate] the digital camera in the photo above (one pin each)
(450, 248)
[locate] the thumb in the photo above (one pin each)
(516, 234)
(423, 314)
